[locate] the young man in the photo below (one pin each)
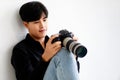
(35, 57)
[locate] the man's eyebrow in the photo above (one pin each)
(45, 17)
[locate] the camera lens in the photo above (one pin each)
(74, 47)
(81, 51)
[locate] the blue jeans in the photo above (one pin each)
(62, 66)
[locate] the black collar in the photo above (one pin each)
(34, 43)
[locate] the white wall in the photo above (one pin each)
(95, 22)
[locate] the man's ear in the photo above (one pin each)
(25, 24)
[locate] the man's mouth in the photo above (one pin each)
(42, 30)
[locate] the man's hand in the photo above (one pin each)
(51, 49)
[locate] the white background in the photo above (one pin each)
(95, 22)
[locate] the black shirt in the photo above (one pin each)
(27, 61)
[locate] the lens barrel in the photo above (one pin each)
(74, 47)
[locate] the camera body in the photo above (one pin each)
(71, 45)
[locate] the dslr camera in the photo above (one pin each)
(71, 45)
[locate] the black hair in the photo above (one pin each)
(32, 11)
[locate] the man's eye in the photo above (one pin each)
(44, 20)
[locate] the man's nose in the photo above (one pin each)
(42, 24)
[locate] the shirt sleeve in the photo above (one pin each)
(24, 68)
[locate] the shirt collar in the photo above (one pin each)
(34, 43)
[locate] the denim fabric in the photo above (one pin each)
(63, 66)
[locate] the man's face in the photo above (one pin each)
(37, 29)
